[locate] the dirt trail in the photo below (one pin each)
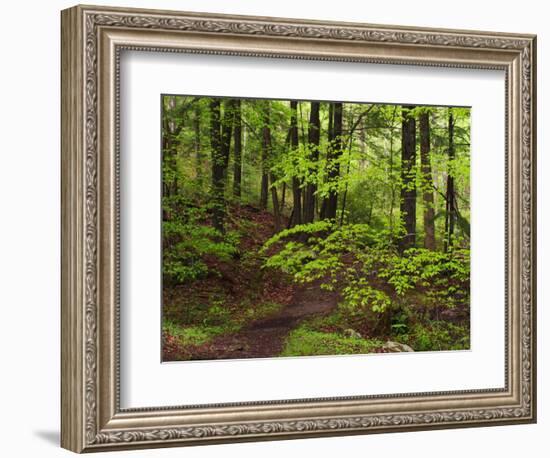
(265, 338)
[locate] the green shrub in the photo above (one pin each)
(443, 276)
(367, 270)
(188, 241)
(436, 336)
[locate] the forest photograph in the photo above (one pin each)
(305, 228)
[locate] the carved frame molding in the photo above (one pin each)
(92, 38)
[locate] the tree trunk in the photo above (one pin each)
(237, 150)
(333, 165)
(198, 150)
(220, 141)
(408, 186)
(450, 205)
(330, 139)
(227, 129)
(267, 148)
(314, 130)
(174, 130)
(427, 182)
(275, 201)
(218, 204)
(345, 196)
(169, 184)
(265, 155)
(283, 197)
(296, 217)
(391, 172)
(165, 152)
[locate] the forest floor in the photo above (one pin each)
(266, 337)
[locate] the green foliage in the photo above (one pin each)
(193, 335)
(217, 314)
(189, 241)
(436, 336)
(304, 342)
(442, 276)
(342, 256)
(371, 276)
(359, 295)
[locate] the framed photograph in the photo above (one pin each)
(279, 228)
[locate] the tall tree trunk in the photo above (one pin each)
(165, 152)
(408, 186)
(345, 196)
(218, 203)
(330, 139)
(314, 130)
(359, 123)
(169, 187)
(427, 182)
(237, 150)
(334, 154)
(174, 129)
(391, 172)
(220, 141)
(283, 197)
(227, 128)
(265, 157)
(450, 204)
(275, 201)
(267, 148)
(296, 217)
(198, 147)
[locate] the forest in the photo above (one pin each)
(303, 228)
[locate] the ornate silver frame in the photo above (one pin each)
(92, 38)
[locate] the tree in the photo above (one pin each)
(408, 182)
(314, 134)
(333, 161)
(198, 145)
(265, 154)
(427, 181)
(330, 139)
(170, 130)
(450, 198)
(353, 126)
(220, 141)
(237, 150)
(296, 217)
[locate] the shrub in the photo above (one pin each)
(364, 266)
(189, 242)
(437, 335)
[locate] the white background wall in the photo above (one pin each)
(29, 229)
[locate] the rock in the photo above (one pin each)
(352, 333)
(396, 347)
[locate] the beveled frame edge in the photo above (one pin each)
(91, 418)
